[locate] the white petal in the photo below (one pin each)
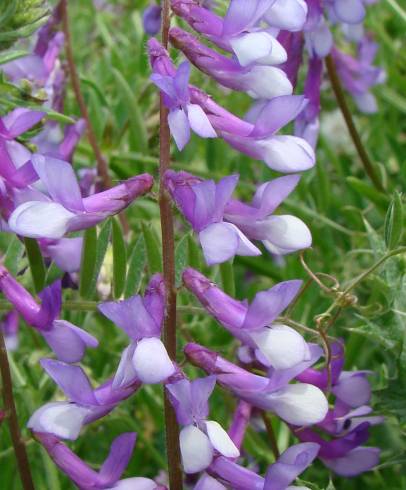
(286, 153)
(299, 404)
(40, 220)
(63, 419)
(151, 361)
(179, 127)
(289, 15)
(196, 449)
(286, 234)
(221, 440)
(266, 82)
(199, 122)
(259, 47)
(125, 373)
(137, 483)
(282, 346)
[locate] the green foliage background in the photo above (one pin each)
(346, 216)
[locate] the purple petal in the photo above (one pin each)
(267, 305)
(289, 465)
(204, 204)
(21, 120)
(357, 461)
(71, 380)
(181, 82)
(270, 194)
(179, 127)
(353, 389)
(224, 190)
(349, 11)
(241, 16)
(66, 253)
(118, 458)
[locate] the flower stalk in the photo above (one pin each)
(9, 405)
(168, 259)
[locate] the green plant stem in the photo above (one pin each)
(362, 153)
(271, 434)
(10, 408)
(168, 259)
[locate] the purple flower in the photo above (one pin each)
(279, 475)
(203, 204)
(108, 476)
(14, 157)
(200, 439)
(359, 75)
(68, 341)
(63, 210)
(65, 419)
(65, 252)
(183, 115)
(273, 344)
(151, 19)
(259, 81)
(142, 320)
(281, 234)
(298, 404)
(307, 122)
(10, 326)
(348, 11)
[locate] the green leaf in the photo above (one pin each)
(12, 55)
(227, 277)
(138, 134)
(153, 249)
(54, 273)
(193, 253)
(394, 222)
(181, 259)
(88, 262)
(36, 262)
(368, 192)
(119, 259)
(101, 249)
(13, 255)
(136, 267)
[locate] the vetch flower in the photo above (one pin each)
(200, 439)
(183, 115)
(108, 477)
(10, 326)
(279, 475)
(203, 204)
(259, 81)
(65, 419)
(62, 209)
(68, 341)
(254, 324)
(141, 318)
(298, 404)
(151, 19)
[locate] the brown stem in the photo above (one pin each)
(339, 93)
(271, 434)
(9, 405)
(168, 258)
(101, 164)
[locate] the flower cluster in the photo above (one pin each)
(276, 370)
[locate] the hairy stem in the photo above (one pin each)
(168, 257)
(362, 153)
(9, 405)
(101, 164)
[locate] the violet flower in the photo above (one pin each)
(299, 404)
(273, 344)
(359, 75)
(14, 158)
(279, 475)
(63, 210)
(68, 341)
(65, 252)
(283, 153)
(9, 327)
(200, 439)
(141, 318)
(183, 115)
(108, 476)
(203, 204)
(151, 19)
(347, 423)
(85, 404)
(281, 234)
(259, 81)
